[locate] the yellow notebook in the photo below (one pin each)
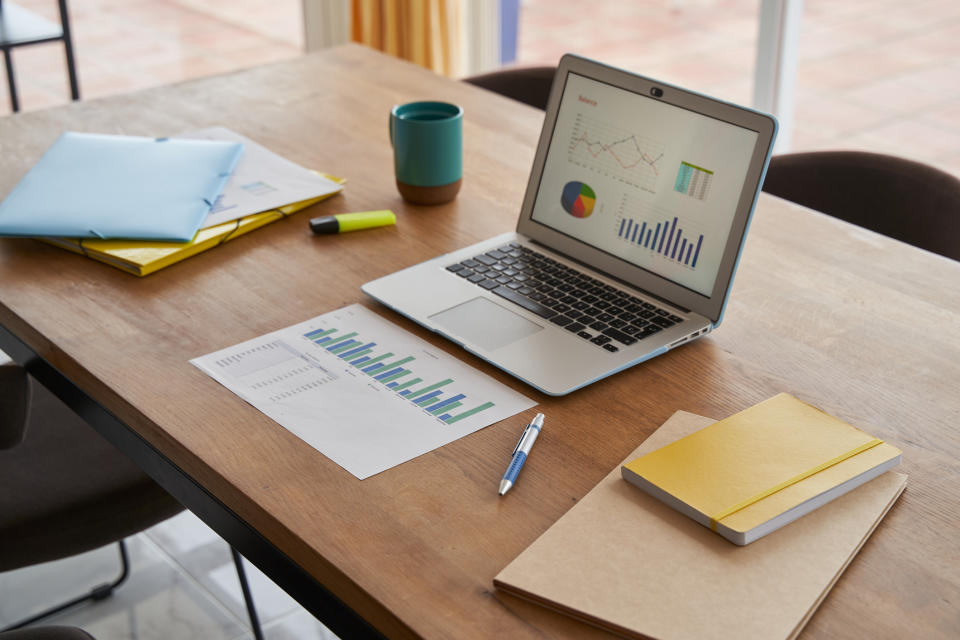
(762, 468)
(624, 561)
(141, 257)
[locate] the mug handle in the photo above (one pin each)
(390, 127)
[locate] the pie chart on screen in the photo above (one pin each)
(578, 199)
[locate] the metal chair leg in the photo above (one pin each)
(247, 595)
(99, 592)
(11, 81)
(68, 47)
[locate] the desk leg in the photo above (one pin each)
(301, 586)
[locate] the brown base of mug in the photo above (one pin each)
(429, 195)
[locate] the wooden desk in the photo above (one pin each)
(855, 323)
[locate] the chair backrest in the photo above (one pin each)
(900, 198)
(530, 85)
(46, 633)
(14, 404)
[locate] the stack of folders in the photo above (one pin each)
(623, 560)
(141, 257)
(264, 187)
(141, 204)
(762, 468)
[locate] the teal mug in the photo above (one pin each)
(427, 139)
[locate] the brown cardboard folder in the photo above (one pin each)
(623, 561)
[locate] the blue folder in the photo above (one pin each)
(113, 187)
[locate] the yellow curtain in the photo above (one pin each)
(425, 32)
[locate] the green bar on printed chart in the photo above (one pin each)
(449, 407)
(409, 383)
(395, 376)
(344, 347)
(429, 389)
(467, 414)
(340, 339)
(399, 362)
(375, 360)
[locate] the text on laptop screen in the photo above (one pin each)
(645, 181)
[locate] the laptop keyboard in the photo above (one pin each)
(606, 316)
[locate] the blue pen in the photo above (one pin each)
(520, 453)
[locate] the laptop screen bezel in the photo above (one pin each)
(763, 124)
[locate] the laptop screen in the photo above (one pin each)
(647, 182)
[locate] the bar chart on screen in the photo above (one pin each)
(362, 391)
(659, 232)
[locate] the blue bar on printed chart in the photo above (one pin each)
(343, 346)
(398, 374)
(397, 363)
(387, 374)
(414, 394)
(369, 362)
(427, 398)
(346, 336)
(444, 410)
(352, 352)
(318, 333)
(444, 403)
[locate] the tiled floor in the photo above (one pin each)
(880, 75)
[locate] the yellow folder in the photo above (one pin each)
(762, 468)
(142, 257)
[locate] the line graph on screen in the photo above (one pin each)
(615, 152)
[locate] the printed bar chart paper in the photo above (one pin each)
(343, 407)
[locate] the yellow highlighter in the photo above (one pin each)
(342, 222)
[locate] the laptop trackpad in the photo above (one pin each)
(485, 323)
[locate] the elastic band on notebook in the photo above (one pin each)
(715, 519)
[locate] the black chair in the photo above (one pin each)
(65, 490)
(910, 201)
(530, 85)
(19, 28)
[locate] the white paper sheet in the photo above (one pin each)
(363, 392)
(262, 180)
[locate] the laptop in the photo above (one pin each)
(629, 234)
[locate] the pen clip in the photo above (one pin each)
(514, 452)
